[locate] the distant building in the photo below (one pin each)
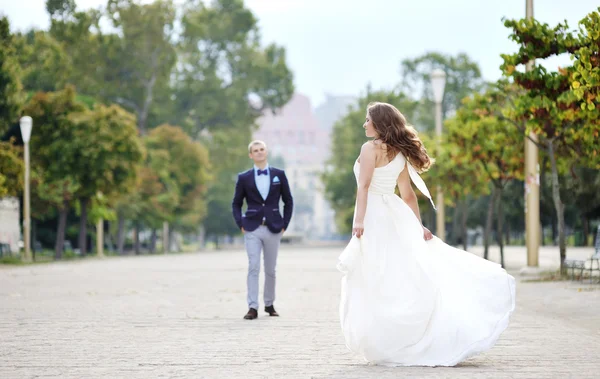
(303, 140)
(334, 108)
(294, 133)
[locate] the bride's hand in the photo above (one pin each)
(358, 229)
(427, 234)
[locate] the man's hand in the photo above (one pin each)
(358, 229)
(243, 231)
(427, 234)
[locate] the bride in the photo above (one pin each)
(408, 299)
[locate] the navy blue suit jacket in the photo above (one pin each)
(245, 188)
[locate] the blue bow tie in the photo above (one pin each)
(261, 172)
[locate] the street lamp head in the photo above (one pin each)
(438, 82)
(26, 123)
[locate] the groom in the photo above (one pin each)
(262, 224)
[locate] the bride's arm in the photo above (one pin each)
(367, 167)
(407, 192)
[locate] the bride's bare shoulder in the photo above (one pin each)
(368, 149)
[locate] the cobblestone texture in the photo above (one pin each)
(180, 316)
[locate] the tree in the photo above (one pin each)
(10, 84)
(144, 55)
(125, 66)
(348, 136)
(189, 168)
(81, 38)
(106, 155)
(463, 77)
(548, 105)
(583, 187)
(491, 142)
(173, 181)
(460, 177)
(54, 151)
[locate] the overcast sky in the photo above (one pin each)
(339, 46)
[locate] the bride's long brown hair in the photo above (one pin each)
(398, 135)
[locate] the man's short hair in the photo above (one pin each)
(256, 142)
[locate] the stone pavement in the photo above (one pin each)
(180, 316)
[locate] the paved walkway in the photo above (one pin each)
(180, 316)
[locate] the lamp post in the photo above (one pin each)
(26, 124)
(532, 184)
(438, 82)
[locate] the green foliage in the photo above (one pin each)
(44, 62)
(585, 82)
(107, 152)
(60, 8)
(454, 170)
(10, 84)
(347, 139)
(54, 148)
(177, 176)
(223, 66)
(463, 77)
(547, 105)
(229, 154)
(140, 57)
(486, 139)
(11, 169)
(79, 35)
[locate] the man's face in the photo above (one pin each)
(258, 153)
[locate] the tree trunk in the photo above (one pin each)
(543, 171)
(83, 227)
(110, 236)
(100, 238)
(165, 237)
(499, 226)
(136, 236)
(60, 233)
(586, 230)
(153, 241)
(542, 234)
(121, 234)
(465, 214)
(33, 238)
(507, 234)
(488, 224)
(559, 206)
(455, 225)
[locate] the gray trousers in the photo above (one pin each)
(257, 240)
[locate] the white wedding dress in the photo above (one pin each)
(410, 302)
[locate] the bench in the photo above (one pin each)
(578, 264)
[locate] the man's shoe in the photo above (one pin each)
(271, 311)
(251, 315)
